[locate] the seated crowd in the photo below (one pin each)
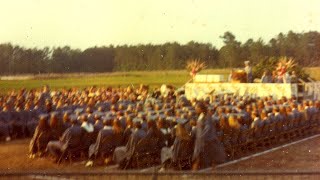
(136, 128)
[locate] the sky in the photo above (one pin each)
(87, 23)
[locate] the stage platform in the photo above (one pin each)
(202, 90)
(199, 90)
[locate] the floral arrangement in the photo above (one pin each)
(195, 66)
(284, 64)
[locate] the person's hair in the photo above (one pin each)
(283, 111)
(263, 114)
(43, 124)
(137, 125)
(117, 128)
(107, 122)
(84, 118)
(233, 122)
(74, 122)
(151, 124)
(129, 121)
(223, 123)
(182, 133)
(202, 106)
(193, 122)
(66, 118)
(161, 123)
(54, 121)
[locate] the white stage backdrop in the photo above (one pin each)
(201, 90)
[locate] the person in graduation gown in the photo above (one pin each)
(208, 150)
(123, 154)
(87, 132)
(71, 138)
(128, 130)
(98, 125)
(66, 120)
(40, 137)
(183, 146)
(151, 144)
(56, 126)
(104, 144)
(5, 127)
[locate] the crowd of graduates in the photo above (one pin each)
(136, 127)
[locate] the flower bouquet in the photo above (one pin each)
(195, 66)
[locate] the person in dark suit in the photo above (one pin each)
(71, 138)
(208, 150)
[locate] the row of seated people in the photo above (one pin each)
(269, 123)
(22, 123)
(19, 110)
(225, 120)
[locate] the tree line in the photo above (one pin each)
(303, 47)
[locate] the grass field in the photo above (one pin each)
(152, 78)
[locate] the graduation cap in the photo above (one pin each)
(141, 114)
(43, 116)
(98, 113)
(160, 112)
(67, 112)
(78, 110)
(152, 118)
(107, 119)
(73, 118)
(171, 118)
(275, 107)
(162, 116)
(151, 113)
(54, 113)
(137, 120)
(182, 120)
(187, 108)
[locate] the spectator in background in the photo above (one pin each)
(294, 77)
(266, 77)
(248, 70)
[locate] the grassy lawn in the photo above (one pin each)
(152, 78)
(112, 79)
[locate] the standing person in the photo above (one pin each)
(294, 77)
(248, 70)
(208, 150)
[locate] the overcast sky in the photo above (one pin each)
(83, 24)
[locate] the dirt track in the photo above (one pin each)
(303, 156)
(14, 157)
